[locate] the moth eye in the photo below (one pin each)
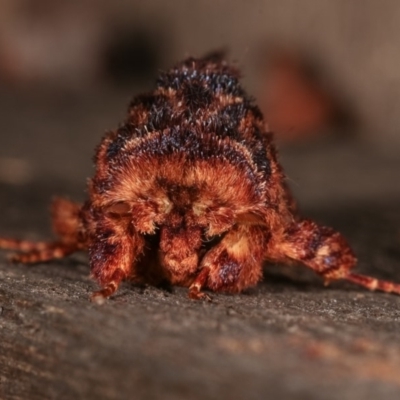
(119, 209)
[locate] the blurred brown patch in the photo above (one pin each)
(296, 99)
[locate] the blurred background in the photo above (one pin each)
(325, 73)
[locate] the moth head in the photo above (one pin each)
(185, 208)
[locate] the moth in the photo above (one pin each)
(188, 191)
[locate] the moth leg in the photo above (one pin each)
(234, 264)
(113, 250)
(68, 227)
(326, 252)
(109, 287)
(22, 245)
(38, 252)
(195, 292)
